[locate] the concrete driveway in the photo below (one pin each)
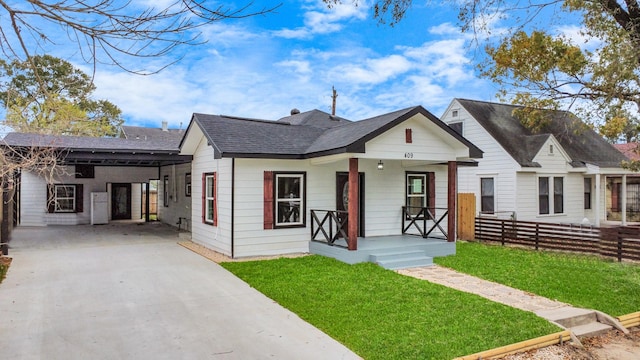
(126, 291)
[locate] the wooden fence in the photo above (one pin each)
(466, 215)
(615, 242)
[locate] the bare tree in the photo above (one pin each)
(110, 30)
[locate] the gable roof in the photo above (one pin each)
(581, 143)
(156, 136)
(305, 135)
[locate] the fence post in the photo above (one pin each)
(537, 234)
(502, 233)
(620, 244)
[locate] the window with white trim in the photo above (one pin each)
(416, 192)
(587, 193)
(457, 127)
(289, 199)
(209, 198)
(487, 195)
(64, 197)
(550, 195)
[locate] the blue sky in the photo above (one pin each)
(264, 66)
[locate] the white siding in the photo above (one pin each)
(33, 196)
(496, 163)
(179, 205)
(215, 237)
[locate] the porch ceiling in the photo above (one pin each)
(125, 159)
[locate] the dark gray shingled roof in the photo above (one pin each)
(157, 136)
(582, 144)
(157, 148)
(304, 135)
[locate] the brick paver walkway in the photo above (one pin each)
(487, 289)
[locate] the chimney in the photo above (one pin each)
(165, 125)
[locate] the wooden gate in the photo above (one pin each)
(466, 216)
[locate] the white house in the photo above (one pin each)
(563, 173)
(264, 187)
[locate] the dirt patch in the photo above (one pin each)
(4, 266)
(612, 346)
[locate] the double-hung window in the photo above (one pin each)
(587, 193)
(165, 194)
(487, 195)
(209, 195)
(551, 195)
(65, 198)
(289, 199)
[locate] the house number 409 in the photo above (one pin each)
(408, 155)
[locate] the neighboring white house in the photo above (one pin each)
(259, 186)
(121, 167)
(562, 173)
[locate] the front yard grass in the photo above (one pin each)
(580, 280)
(380, 314)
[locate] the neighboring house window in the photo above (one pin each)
(546, 187)
(543, 195)
(64, 198)
(587, 193)
(457, 127)
(289, 199)
(209, 198)
(187, 184)
(420, 192)
(454, 113)
(487, 195)
(166, 190)
(558, 195)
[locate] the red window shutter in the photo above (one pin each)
(408, 136)
(204, 197)
(79, 198)
(268, 200)
(51, 206)
(431, 194)
(215, 199)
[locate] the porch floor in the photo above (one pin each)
(392, 252)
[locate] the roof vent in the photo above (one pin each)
(295, 111)
(165, 125)
(333, 118)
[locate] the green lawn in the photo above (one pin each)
(580, 280)
(382, 315)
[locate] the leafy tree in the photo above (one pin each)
(54, 99)
(541, 69)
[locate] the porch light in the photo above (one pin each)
(380, 165)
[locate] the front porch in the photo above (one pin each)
(390, 252)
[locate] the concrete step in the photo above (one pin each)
(395, 255)
(569, 317)
(404, 263)
(591, 329)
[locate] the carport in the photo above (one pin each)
(129, 291)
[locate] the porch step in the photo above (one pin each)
(395, 260)
(582, 322)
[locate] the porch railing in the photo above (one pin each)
(423, 220)
(330, 225)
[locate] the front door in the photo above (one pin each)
(120, 201)
(342, 199)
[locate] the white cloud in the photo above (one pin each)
(321, 19)
(373, 71)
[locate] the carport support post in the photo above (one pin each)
(353, 205)
(451, 201)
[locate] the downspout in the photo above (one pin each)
(233, 190)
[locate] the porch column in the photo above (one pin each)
(623, 201)
(451, 201)
(353, 204)
(598, 210)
